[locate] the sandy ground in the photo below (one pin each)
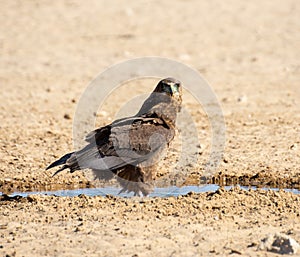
(249, 54)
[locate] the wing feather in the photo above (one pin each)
(126, 141)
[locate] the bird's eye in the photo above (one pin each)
(167, 89)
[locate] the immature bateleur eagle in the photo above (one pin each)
(130, 148)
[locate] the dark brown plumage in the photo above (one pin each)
(130, 148)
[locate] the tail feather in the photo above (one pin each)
(60, 161)
(62, 168)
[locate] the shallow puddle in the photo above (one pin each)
(158, 192)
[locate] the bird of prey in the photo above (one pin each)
(129, 148)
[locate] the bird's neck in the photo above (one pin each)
(161, 106)
(165, 111)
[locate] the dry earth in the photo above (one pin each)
(249, 53)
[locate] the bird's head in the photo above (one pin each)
(171, 87)
(165, 100)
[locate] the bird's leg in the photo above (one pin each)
(133, 179)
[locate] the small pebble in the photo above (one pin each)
(242, 99)
(67, 116)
